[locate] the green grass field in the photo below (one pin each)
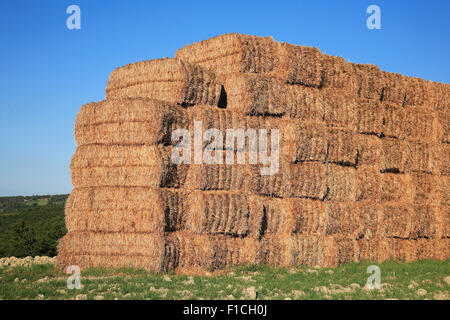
(399, 280)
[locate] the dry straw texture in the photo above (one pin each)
(364, 165)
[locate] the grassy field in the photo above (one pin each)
(399, 280)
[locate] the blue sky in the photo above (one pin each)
(48, 72)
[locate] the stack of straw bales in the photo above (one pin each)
(364, 163)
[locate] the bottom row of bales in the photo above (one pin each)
(185, 251)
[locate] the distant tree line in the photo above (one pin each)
(31, 230)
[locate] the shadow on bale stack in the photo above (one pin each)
(363, 163)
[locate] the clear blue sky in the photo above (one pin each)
(47, 71)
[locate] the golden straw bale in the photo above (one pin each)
(304, 103)
(420, 124)
(427, 189)
(254, 94)
(98, 155)
(341, 183)
(170, 80)
(339, 74)
(128, 121)
(218, 212)
(309, 141)
(427, 222)
(277, 250)
(394, 155)
(342, 147)
(309, 217)
(233, 53)
(139, 209)
(149, 176)
(393, 120)
(300, 65)
(444, 161)
(444, 221)
(370, 150)
(340, 109)
(337, 251)
(369, 81)
(397, 221)
(343, 219)
(441, 95)
(443, 126)
(394, 88)
(445, 187)
(368, 183)
(117, 249)
(236, 53)
(422, 157)
(301, 180)
(370, 215)
(418, 92)
(217, 176)
(211, 252)
(396, 187)
(369, 117)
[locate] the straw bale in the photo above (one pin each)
(433, 249)
(139, 209)
(309, 141)
(211, 252)
(418, 92)
(394, 88)
(370, 215)
(342, 148)
(394, 155)
(301, 180)
(233, 53)
(290, 216)
(217, 177)
(441, 95)
(393, 120)
(396, 187)
(340, 109)
(422, 157)
(128, 121)
(444, 221)
(343, 219)
(427, 222)
(368, 183)
(443, 126)
(139, 176)
(369, 81)
(337, 251)
(341, 183)
(370, 150)
(218, 212)
(304, 103)
(369, 117)
(309, 217)
(444, 161)
(426, 188)
(397, 221)
(420, 124)
(300, 65)
(254, 94)
(97, 155)
(339, 74)
(117, 249)
(445, 187)
(170, 80)
(277, 250)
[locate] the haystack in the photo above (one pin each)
(363, 171)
